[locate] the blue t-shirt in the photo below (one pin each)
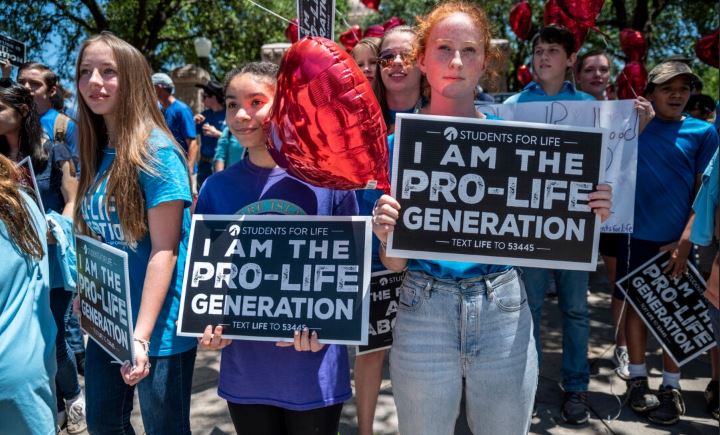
(228, 149)
(209, 143)
(256, 372)
(534, 92)
(168, 183)
(27, 336)
(47, 120)
(49, 181)
(706, 202)
(670, 156)
(179, 119)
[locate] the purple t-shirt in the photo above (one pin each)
(256, 372)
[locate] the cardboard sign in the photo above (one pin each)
(495, 192)
(384, 294)
(262, 277)
(12, 50)
(103, 284)
(674, 310)
(29, 181)
(620, 149)
(316, 18)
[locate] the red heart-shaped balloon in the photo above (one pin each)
(393, 22)
(632, 78)
(326, 127)
(707, 49)
(553, 14)
(524, 76)
(521, 20)
(633, 44)
(351, 36)
(375, 31)
(584, 12)
(372, 4)
(291, 31)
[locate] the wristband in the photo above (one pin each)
(145, 344)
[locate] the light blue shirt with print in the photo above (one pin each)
(706, 202)
(169, 182)
(534, 92)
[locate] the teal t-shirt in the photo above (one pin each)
(27, 336)
(168, 183)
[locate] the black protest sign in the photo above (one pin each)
(384, 293)
(103, 284)
(496, 192)
(12, 50)
(262, 277)
(316, 18)
(674, 310)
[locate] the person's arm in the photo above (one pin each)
(385, 215)
(192, 153)
(165, 224)
(68, 187)
(681, 249)
(6, 68)
(645, 112)
(221, 150)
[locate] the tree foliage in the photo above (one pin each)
(164, 30)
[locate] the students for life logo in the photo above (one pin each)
(450, 133)
(234, 230)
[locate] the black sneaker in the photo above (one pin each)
(574, 407)
(671, 406)
(640, 397)
(712, 399)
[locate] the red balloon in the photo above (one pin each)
(326, 127)
(393, 22)
(708, 49)
(633, 43)
(521, 20)
(583, 12)
(372, 4)
(524, 76)
(376, 30)
(632, 78)
(553, 14)
(291, 31)
(351, 36)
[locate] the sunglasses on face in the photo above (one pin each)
(386, 58)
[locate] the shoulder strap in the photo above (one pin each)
(60, 128)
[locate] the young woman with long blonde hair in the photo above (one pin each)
(134, 195)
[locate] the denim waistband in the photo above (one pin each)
(475, 285)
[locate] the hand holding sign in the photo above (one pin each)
(303, 341)
(679, 252)
(213, 339)
(385, 215)
(133, 374)
(601, 201)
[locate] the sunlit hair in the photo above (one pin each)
(580, 64)
(380, 91)
(49, 77)
(373, 43)
(267, 71)
(426, 23)
(30, 136)
(138, 116)
(14, 213)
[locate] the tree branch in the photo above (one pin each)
(97, 14)
(621, 13)
(74, 18)
(140, 17)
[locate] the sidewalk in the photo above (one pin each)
(209, 413)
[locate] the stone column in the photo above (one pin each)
(185, 78)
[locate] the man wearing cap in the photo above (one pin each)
(212, 123)
(673, 151)
(178, 116)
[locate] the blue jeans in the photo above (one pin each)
(73, 334)
(66, 379)
(479, 329)
(572, 288)
(164, 394)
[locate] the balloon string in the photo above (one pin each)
(276, 14)
(342, 17)
(604, 37)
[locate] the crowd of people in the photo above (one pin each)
(127, 169)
